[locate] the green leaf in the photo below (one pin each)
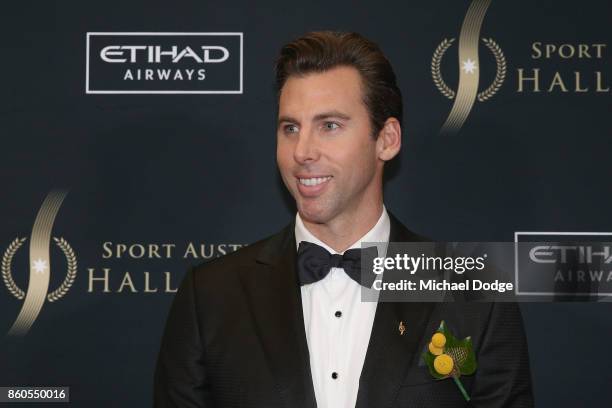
(469, 365)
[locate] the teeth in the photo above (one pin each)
(313, 181)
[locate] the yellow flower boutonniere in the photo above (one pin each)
(449, 357)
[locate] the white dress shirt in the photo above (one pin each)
(338, 324)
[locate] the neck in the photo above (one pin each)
(346, 228)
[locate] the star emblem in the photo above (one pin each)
(40, 266)
(469, 66)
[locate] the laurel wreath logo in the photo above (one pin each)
(57, 294)
(500, 74)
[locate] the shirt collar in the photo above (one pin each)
(379, 233)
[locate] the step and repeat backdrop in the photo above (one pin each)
(138, 139)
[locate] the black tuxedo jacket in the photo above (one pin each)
(235, 337)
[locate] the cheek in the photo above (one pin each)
(284, 157)
(359, 160)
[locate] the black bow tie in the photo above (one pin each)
(314, 263)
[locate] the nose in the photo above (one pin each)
(306, 149)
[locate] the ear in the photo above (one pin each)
(389, 140)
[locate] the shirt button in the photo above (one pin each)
(338, 313)
(334, 375)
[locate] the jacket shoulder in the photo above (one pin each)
(247, 255)
(400, 233)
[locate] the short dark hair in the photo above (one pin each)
(320, 51)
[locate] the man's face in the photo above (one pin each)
(325, 150)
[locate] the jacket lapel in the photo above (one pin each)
(390, 354)
(274, 296)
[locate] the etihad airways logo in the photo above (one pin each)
(155, 54)
(563, 263)
(164, 63)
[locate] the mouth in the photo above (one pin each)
(313, 181)
(312, 186)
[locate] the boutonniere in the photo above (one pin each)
(449, 357)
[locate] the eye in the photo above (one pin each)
(331, 126)
(290, 129)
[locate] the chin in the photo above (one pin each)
(315, 213)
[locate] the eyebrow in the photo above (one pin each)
(317, 117)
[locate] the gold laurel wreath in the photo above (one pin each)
(6, 268)
(436, 74)
(72, 270)
(12, 287)
(500, 74)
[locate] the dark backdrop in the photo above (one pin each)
(200, 168)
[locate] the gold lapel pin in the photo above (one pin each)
(401, 328)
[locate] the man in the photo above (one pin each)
(259, 328)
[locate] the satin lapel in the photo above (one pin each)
(274, 296)
(390, 354)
